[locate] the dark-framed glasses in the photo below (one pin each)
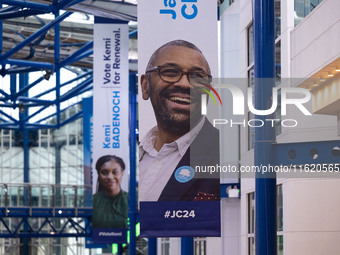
(173, 74)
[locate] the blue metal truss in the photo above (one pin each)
(73, 222)
(9, 66)
(23, 215)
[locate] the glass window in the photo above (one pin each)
(250, 38)
(200, 246)
(11, 156)
(277, 115)
(165, 246)
(251, 77)
(277, 17)
(302, 8)
(279, 208)
(251, 80)
(280, 245)
(251, 221)
(278, 63)
(10, 246)
(251, 246)
(251, 213)
(251, 130)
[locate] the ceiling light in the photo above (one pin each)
(337, 69)
(47, 75)
(321, 79)
(330, 74)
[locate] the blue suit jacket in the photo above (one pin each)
(204, 151)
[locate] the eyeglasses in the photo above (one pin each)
(172, 74)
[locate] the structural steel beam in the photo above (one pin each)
(265, 183)
(42, 65)
(11, 100)
(31, 38)
(66, 83)
(70, 59)
(133, 165)
(20, 13)
(73, 224)
(25, 89)
(30, 5)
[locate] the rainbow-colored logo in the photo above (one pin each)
(208, 92)
(204, 98)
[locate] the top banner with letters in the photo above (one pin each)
(178, 56)
(110, 131)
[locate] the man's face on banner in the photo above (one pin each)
(176, 104)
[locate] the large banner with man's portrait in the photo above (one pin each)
(110, 166)
(178, 56)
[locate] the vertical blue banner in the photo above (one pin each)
(87, 106)
(178, 56)
(110, 131)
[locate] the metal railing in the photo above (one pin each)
(45, 196)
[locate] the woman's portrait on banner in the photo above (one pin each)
(110, 202)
